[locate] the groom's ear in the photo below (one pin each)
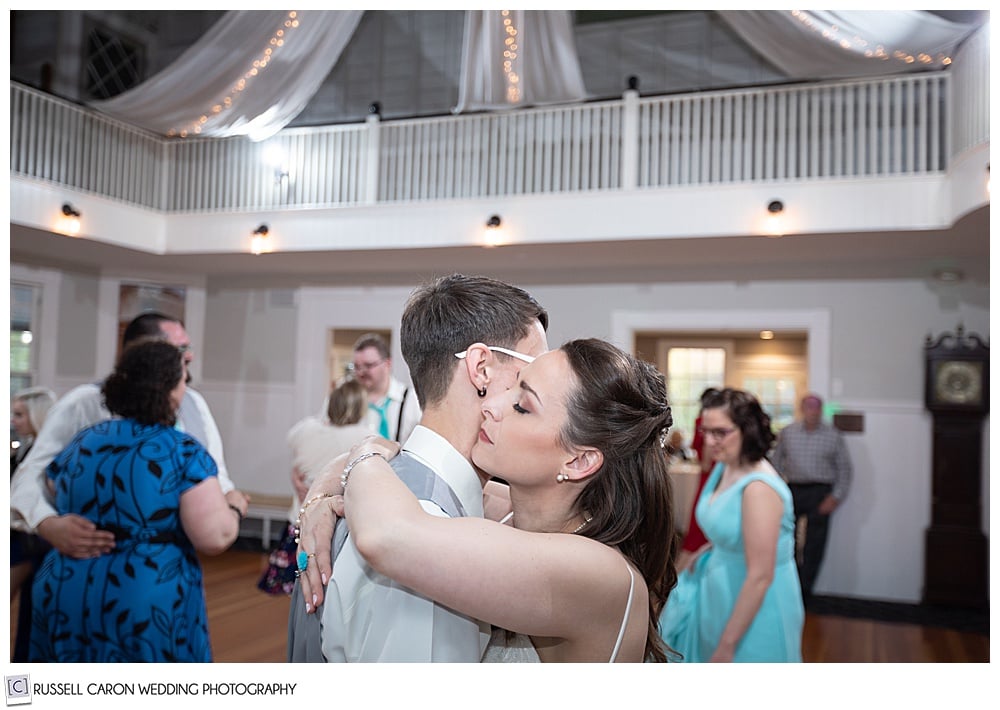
(477, 356)
(584, 464)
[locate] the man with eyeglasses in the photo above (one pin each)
(393, 410)
(83, 406)
(460, 336)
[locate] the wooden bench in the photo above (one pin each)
(267, 509)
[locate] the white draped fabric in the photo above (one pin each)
(517, 58)
(252, 73)
(827, 44)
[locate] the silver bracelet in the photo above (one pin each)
(354, 462)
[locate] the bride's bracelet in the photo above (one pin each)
(354, 462)
(302, 510)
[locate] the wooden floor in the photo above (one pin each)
(248, 626)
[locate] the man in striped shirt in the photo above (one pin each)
(813, 459)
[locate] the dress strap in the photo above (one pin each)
(628, 609)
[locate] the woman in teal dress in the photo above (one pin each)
(156, 489)
(739, 600)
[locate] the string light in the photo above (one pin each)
(863, 47)
(510, 63)
(258, 65)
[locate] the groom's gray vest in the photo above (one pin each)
(304, 644)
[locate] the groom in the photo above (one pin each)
(453, 335)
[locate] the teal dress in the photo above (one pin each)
(700, 605)
(144, 601)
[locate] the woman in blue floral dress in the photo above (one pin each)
(156, 489)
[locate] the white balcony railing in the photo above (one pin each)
(889, 126)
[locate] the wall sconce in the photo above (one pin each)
(774, 224)
(493, 236)
(69, 223)
(767, 335)
(258, 241)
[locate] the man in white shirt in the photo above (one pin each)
(460, 336)
(393, 410)
(81, 407)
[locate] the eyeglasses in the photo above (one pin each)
(716, 433)
(366, 366)
(184, 348)
(505, 351)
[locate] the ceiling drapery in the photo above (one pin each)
(250, 74)
(515, 58)
(254, 71)
(826, 44)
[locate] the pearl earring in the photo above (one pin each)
(560, 477)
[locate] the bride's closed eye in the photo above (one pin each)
(519, 409)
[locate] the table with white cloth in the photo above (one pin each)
(684, 477)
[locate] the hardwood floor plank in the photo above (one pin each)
(249, 626)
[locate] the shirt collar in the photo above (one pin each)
(435, 451)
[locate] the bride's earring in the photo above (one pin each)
(560, 477)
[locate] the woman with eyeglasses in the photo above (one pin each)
(740, 600)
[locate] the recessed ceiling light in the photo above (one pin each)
(767, 335)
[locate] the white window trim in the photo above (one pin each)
(815, 322)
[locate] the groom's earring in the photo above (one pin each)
(560, 477)
(482, 392)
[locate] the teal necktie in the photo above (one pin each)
(383, 420)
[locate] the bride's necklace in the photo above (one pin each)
(510, 516)
(582, 525)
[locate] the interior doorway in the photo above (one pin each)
(771, 366)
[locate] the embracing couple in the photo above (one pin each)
(569, 557)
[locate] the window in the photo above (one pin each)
(24, 303)
(690, 371)
(112, 63)
(778, 397)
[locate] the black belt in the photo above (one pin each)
(125, 535)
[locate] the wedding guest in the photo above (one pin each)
(740, 599)
(315, 443)
(28, 410)
(155, 489)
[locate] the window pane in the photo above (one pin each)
(690, 371)
(777, 397)
(22, 342)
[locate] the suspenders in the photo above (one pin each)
(399, 421)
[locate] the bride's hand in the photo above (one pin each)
(374, 444)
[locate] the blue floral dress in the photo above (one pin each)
(145, 600)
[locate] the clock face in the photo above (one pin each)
(959, 382)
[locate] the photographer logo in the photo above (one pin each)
(18, 690)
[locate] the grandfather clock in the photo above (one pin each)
(956, 392)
